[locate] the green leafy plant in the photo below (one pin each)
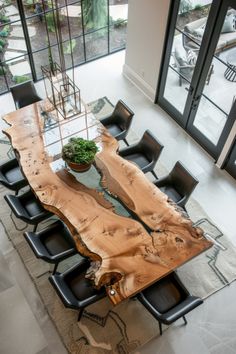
(79, 151)
(5, 31)
(95, 14)
(2, 42)
(197, 7)
(185, 6)
(120, 22)
(4, 18)
(2, 70)
(52, 21)
(29, 2)
(69, 48)
(20, 79)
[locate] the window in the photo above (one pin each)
(90, 29)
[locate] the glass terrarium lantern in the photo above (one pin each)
(61, 91)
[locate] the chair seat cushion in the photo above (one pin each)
(190, 303)
(163, 295)
(81, 287)
(171, 192)
(57, 242)
(138, 158)
(114, 129)
(14, 175)
(33, 208)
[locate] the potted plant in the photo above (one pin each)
(79, 153)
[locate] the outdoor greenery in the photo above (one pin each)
(5, 31)
(120, 22)
(2, 70)
(79, 151)
(2, 42)
(95, 13)
(3, 18)
(185, 6)
(50, 22)
(88, 40)
(69, 47)
(20, 79)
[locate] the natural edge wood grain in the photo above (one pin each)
(124, 256)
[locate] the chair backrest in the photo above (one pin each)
(24, 94)
(183, 181)
(151, 146)
(123, 115)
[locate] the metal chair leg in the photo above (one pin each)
(160, 327)
(16, 192)
(80, 313)
(126, 142)
(154, 174)
(35, 228)
(185, 321)
(55, 268)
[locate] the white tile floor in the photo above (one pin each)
(211, 327)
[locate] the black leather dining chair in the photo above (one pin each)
(24, 94)
(52, 244)
(168, 300)
(27, 208)
(145, 153)
(178, 184)
(75, 291)
(119, 121)
(11, 176)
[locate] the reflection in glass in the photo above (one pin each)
(209, 120)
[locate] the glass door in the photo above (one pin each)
(197, 85)
(182, 64)
(209, 121)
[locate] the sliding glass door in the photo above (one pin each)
(199, 78)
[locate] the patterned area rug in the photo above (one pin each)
(125, 328)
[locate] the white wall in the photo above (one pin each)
(147, 20)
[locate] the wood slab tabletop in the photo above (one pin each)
(124, 256)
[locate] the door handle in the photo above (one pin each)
(190, 90)
(195, 101)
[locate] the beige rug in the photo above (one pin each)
(125, 328)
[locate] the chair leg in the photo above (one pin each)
(35, 228)
(126, 142)
(160, 328)
(80, 313)
(16, 192)
(55, 268)
(185, 321)
(154, 174)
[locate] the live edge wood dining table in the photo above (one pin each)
(125, 257)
